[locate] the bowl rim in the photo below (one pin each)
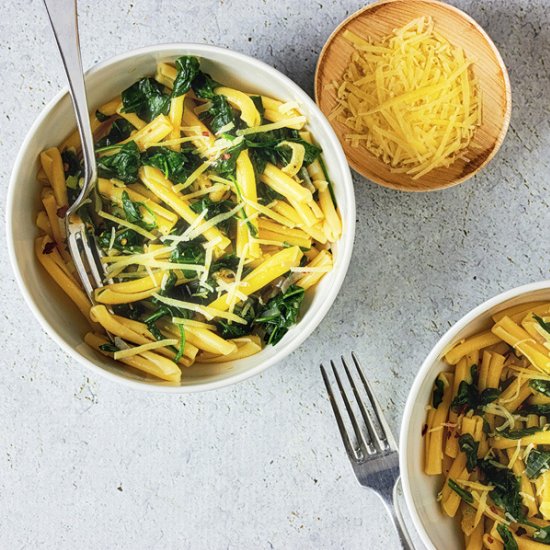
(507, 87)
(347, 240)
(420, 380)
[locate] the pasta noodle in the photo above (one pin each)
(216, 216)
(493, 422)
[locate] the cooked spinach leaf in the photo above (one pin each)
(469, 447)
(204, 85)
(229, 329)
(227, 163)
(131, 311)
(177, 166)
(126, 240)
(108, 347)
(542, 323)
(437, 395)
(518, 434)
(188, 252)
(468, 397)
(542, 386)
(120, 130)
(220, 114)
(537, 462)
(188, 68)
(146, 99)
(214, 208)
(542, 409)
(507, 537)
(507, 487)
(71, 164)
(280, 313)
(133, 213)
(462, 493)
(101, 116)
(542, 534)
(181, 346)
(123, 165)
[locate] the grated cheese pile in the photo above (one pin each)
(410, 99)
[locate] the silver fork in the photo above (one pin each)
(81, 240)
(373, 452)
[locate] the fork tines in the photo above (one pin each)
(370, 431)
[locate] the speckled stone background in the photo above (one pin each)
(85, 463)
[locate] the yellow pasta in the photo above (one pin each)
(496, 431)
(200, 238)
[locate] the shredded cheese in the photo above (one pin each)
(125, 223)
(130, 352)
(411, 99)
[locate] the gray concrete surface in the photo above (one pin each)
(85, 463)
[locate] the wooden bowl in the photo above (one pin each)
(379, 20)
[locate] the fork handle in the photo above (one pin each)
(397, 518)
(64, 22)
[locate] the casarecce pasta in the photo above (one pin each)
(487, 432)
(213, 210)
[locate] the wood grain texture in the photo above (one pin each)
(377, 21)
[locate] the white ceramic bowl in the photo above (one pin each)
(57, 314)
(436, 530)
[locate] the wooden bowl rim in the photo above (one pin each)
(507, 94)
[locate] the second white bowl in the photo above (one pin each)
(436, 530)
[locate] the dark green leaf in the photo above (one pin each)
(188, 68)
(181, 347)
(101, 117)
(214, 208)
(466, 398)
(507, 537)
(204, 85)
(542, 410)
(133, 213)
(542, 534)
(462, 493)
(123, 165)
(437, 395)
(542, 386)
(146, 99)
(220, 114)
(126, 240)
(108, 347)
(542, 323)
(537, 462)
(488, 395)
(229, 329)
(280, 313)
(469, 446)
(226, 165)
(120, 130)
(507, 487)
(176, 166)
(130, 311)
(258, 103)
(188, 252)
(71, 164)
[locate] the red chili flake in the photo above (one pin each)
(65, 167)
(520, 531)
(493, 509)
(62, 211)
(490, 539)
(226, 156)
(424, 429)
(456, 435)
(48, 248)
(206, 134)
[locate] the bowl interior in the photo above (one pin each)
(377, 21)
(436, 529)
(57, 313)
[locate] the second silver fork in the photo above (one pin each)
(372, 450)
